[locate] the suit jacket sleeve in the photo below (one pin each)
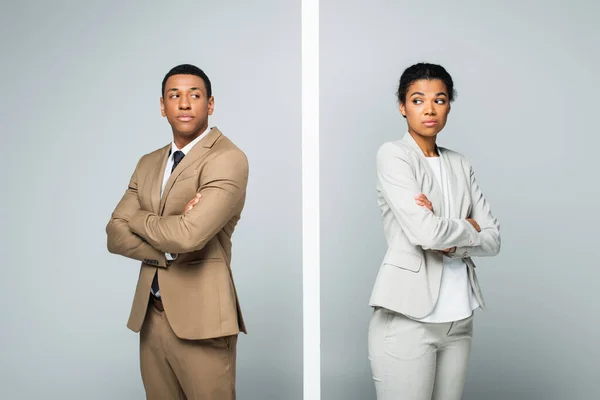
(399, 187)
(120, 239)
(481, 212)
(223, 186)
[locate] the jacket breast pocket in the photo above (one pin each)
(404, 260)
(187, 174)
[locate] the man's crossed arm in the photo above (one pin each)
(145, 236)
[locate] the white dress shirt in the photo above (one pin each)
(456, 300)
(185, 150)
(167, 174)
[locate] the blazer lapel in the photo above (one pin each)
(199, 150)
(437, 195)
(159, 173)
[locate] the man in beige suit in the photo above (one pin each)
(177, 217)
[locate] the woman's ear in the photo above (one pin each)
(403, 110)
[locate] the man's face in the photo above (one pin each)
(186, 106)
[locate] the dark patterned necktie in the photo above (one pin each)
(177, 157)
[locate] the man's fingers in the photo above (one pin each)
(192, 203)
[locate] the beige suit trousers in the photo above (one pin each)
(173, 368)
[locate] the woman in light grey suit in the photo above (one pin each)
(435, 218)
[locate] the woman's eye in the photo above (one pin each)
(417, 101)
(440, 101)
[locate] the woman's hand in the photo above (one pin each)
(450, 250)
(423, 201)
(475, 224)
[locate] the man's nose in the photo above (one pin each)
(184, 104)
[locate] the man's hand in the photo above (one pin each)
(423, 201)
(192, 203)
(475, 224)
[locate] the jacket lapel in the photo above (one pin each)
(158, 175)
(198, 151)
(437, 195)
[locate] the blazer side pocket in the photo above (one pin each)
(204, 260)
(404, 260)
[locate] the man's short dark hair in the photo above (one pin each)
(188, 69)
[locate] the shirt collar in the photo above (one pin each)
(191, 144)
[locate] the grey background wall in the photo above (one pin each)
(80, 105)
(526, 74)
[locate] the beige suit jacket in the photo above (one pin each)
(197, 288)
(409, 276)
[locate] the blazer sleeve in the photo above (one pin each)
(223, 187)
(120, 239)
(481, 212)
(399, 187)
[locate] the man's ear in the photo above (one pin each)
(211, 105)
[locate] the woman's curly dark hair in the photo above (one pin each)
(424, 71)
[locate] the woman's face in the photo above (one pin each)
(426, 107)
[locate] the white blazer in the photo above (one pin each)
(409, 277)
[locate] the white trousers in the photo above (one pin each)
(413, 360)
